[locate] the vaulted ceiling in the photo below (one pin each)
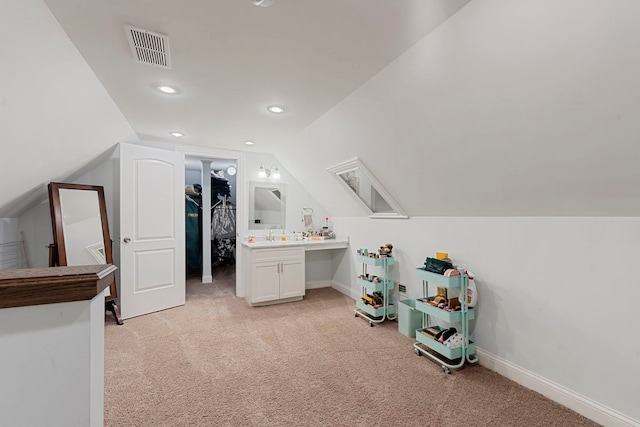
(231, 59)
(481, 108)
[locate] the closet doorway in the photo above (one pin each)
(211, 218)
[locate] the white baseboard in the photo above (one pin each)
(572, 400)
(344, 289)
(318, 284)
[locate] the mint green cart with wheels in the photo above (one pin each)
(383, 285)
(424, 342)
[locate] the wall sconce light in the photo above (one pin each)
(273, 172)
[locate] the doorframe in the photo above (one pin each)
(205, 153)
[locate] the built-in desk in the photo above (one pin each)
(307, 245)
(52, 341)
(277, 269)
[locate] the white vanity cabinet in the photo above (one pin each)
(275, 275)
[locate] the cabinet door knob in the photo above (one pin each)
(126, 239)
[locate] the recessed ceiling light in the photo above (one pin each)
(176, 134)
(248, 142)
(276, 109)
(167, 89)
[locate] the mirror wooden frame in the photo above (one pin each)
(58, 249)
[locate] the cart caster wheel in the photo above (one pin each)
(446, 370)
(355, 315)
(371, 324)
(417, 352)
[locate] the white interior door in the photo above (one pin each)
(152, 235)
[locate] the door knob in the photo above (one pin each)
(127, 239)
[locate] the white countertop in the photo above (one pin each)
(309, 245)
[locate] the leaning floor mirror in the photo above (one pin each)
(81, 231)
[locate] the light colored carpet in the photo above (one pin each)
(218, 362)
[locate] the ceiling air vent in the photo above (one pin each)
(149, 47)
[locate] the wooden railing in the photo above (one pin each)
(35, 286)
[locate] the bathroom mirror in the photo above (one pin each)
(267, 205)
(81, 231)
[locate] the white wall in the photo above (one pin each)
(53, 359)
(297, 196)
(508, 108)
(9, 258)
(192, 176)
(54, 114)
(35, 226)
(557, 296)
(8, 230)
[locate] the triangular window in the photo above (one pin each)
(364, 187)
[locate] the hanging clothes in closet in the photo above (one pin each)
(193, 229)
(223, 231)
(219, 187)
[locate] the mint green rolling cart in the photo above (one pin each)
(465, 353)
(367, 311)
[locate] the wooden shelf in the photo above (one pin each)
(36, 286)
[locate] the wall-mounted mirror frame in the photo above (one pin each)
(81, 231)
(360, 183)
(267, 205)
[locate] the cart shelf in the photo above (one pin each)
(439, 279)
(376, 262)
(447, 316)
(375, 312)
(374, 286)
(449, 353)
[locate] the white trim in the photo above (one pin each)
(97, 252)
(356, 164)
(241, 211)
(387, 216)
(318, 284)
(106, 271)
(344, 289)
(206, 152)
(559, 394)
